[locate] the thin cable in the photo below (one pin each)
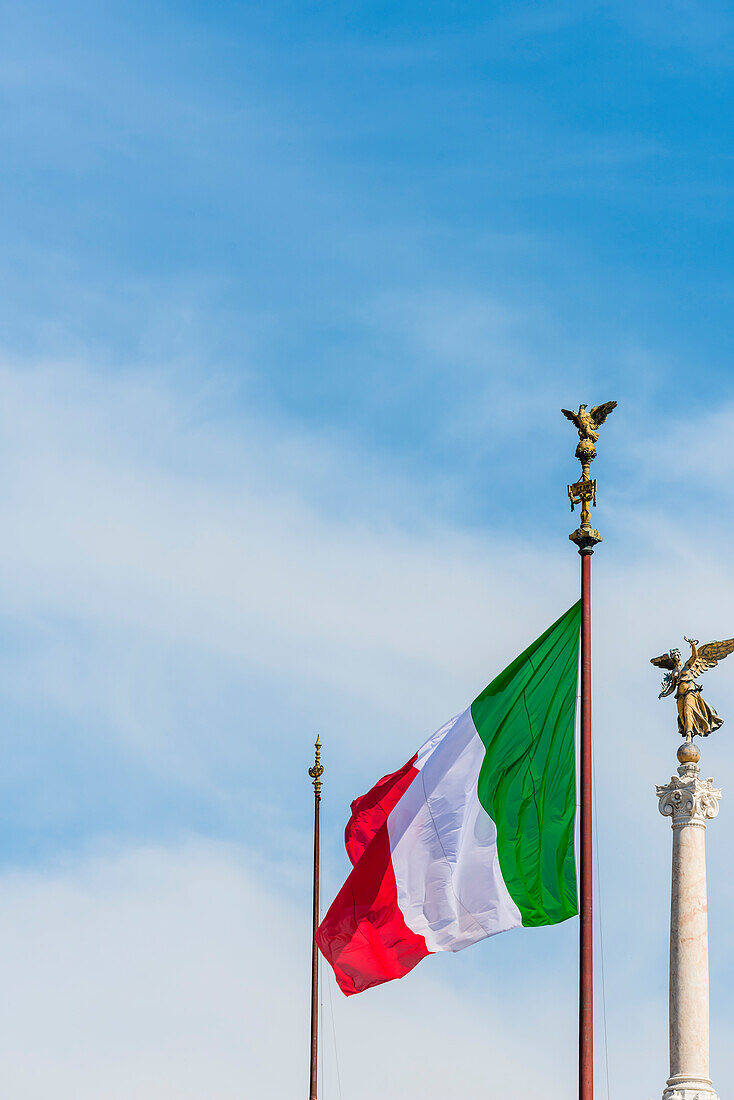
(321, 1021)
(333, 1032)
(601, 932)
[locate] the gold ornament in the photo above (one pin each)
(583, 492)
(318, 768)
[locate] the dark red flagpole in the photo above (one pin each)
(315, 772)
(583, 492)
(586, 951)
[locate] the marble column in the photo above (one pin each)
(689, 801)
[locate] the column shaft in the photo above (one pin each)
(689, 963)
(690, 802)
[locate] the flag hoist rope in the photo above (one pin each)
(602, 917)
(583, 492)
(316, 771)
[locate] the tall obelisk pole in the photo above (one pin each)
(316, 771)
(583, 492)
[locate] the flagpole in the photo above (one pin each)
(315, 772)
(583, 492)
(586, 946)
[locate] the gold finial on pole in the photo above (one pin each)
(318, 768)
(583, 491)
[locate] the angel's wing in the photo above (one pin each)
(709, 655)
(600, 412)
(572, 417)
(663, 661)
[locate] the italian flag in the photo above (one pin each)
(475, 834)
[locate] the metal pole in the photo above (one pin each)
(583, 492)
(315, 772)
(586, 951)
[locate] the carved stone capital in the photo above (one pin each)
(688, 799)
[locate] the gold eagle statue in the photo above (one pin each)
(587, 422)
(695, 715)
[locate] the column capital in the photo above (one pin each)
(688, 799)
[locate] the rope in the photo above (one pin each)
(333, 1032)
(601, 935)
(321, 1020)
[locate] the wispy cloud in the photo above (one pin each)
(179, 972)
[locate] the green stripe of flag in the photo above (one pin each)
(527, 783)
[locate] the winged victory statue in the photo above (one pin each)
(695, 715)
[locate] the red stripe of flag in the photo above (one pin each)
(364, 935)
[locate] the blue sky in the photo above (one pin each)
(381, 221)
(291, 296)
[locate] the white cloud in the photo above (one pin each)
(182, 973)
(149, 974)
(122, 511)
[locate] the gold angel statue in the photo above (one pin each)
(695, 715)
